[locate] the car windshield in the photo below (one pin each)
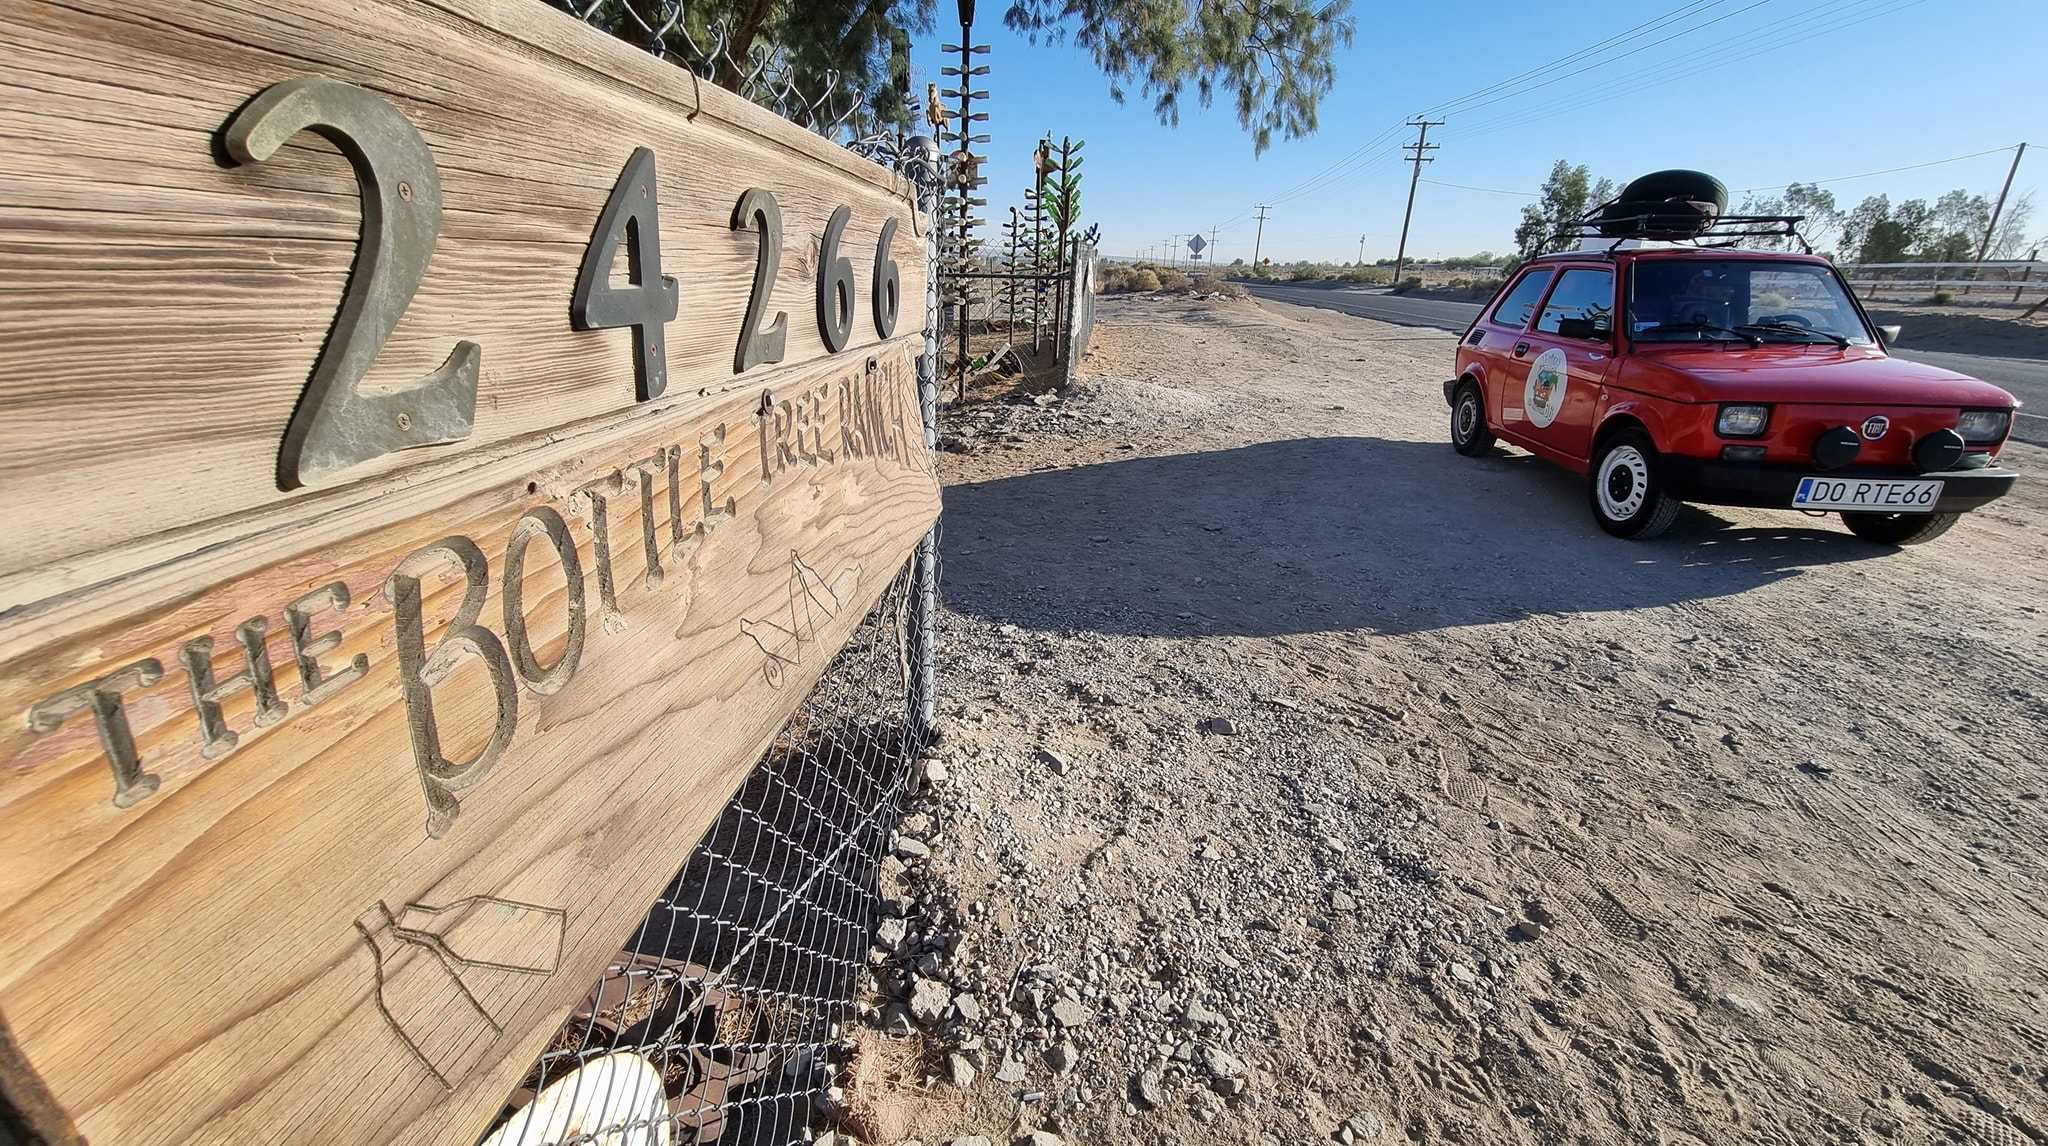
(1743, 300)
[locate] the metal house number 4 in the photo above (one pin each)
(336, 426)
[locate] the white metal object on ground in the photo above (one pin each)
(616, 1100)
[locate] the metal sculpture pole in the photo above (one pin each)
(1037, 250)
(1066, 200)
(963, 175)
(1013, 232)
(920, 161)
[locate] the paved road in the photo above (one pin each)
(2027, 378)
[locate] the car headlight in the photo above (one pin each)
(1983, 427)
(1742, 421)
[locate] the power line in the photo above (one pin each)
(1524, 90)
(1620, 37)
(1358, 161)
(1488, 190)
(1886, 171)
(1699, 59)
(1358, 158)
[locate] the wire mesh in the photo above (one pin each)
(722, 1018)
(763, 72)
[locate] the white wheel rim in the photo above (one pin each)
(1624, 482)
(1468, 417)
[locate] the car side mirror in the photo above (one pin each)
(1890, 334)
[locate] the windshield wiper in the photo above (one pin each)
(1698, 328)
(1794, 328)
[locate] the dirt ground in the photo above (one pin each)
(1304, 780)
(1996, 330)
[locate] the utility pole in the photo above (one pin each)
(1420, 150)
(1361, 250)
(1992, 228)
(1172, 255)
(1259, 238)
(1212, 247)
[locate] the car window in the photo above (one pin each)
(1802, 296)
(1582, 306)
(1698, 299)
(1520, 302)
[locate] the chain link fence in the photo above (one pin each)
(763, 72)
(725, 1016)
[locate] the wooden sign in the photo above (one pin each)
(439, 447)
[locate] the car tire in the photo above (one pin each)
(1626, 490)
(1469, 435)
(1899, 528)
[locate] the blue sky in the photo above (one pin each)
(1758, 92)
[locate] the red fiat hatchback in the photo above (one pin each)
(1669, 373)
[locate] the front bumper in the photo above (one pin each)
(1772, 486)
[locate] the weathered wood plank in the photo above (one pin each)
(123, 328)
(259, 736)
(207, 931)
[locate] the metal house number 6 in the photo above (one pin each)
(336, 426)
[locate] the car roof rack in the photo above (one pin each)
(1657, 222)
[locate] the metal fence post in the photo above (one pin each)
(920, 163)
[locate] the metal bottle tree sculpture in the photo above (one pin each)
(1016, 240)
(1034, 210)
(1060, 190)
(959, 246)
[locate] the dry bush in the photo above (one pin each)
(1122, 280)
(1212, 283)
(1174, 280)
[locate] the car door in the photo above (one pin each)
(1494, 337)
(1565, 357)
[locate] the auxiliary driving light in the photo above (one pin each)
(1742, 421)
(1983, 427)
(1837, 447)
(1938, 451)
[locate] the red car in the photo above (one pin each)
(1669, 373)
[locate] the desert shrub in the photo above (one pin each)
(1212, 283)
(1460, 284)
(1173, 280)
(1144, 278)
(1411, 283)
(1370, 275)
(1942, 298)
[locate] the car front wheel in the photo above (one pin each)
(1469, 435)
(1899, 528)
(1627, 493)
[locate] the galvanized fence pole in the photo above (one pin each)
(921, 164)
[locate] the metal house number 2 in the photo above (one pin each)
(336, 426)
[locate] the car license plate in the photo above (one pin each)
(1882, 495)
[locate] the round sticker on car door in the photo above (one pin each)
(1543, 393)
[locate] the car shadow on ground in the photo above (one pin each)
(1323, 534)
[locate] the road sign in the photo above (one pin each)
(1195, 245)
